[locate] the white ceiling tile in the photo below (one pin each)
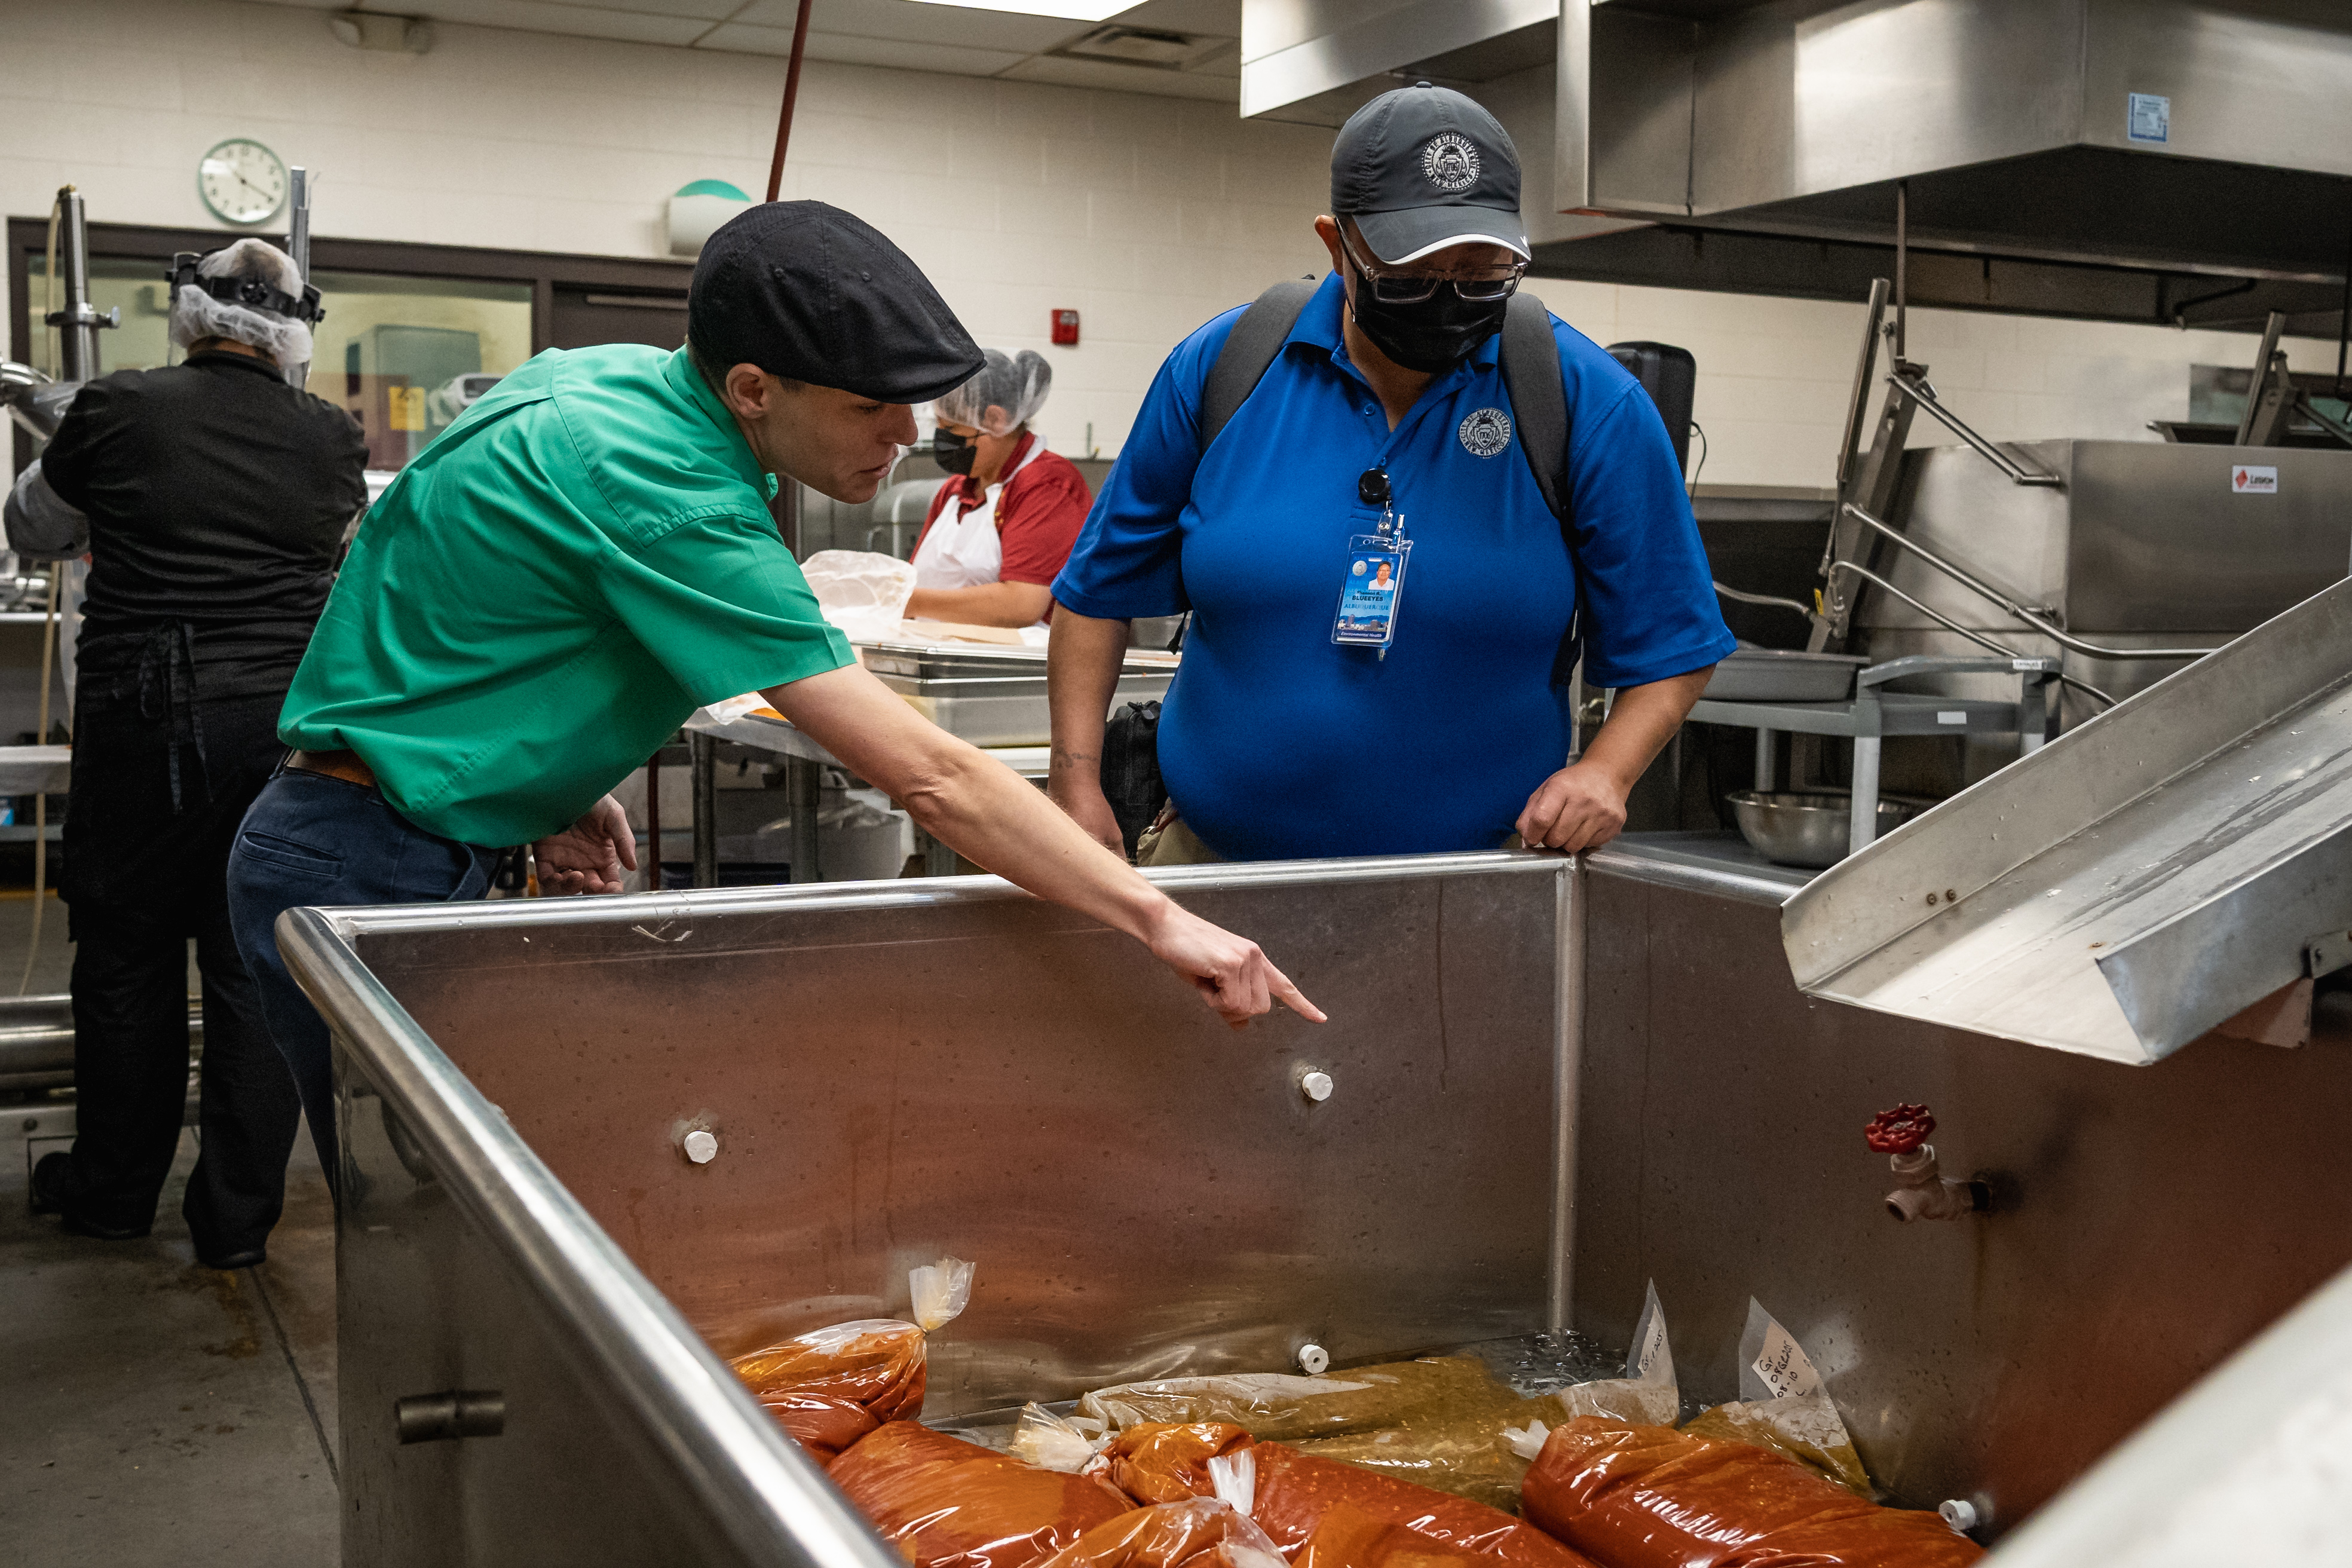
(578, 21)
(918, 24)
(845, 49)
(1062, 71)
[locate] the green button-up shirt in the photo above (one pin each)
(548, 591)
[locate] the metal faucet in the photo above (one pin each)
(1922, 1191)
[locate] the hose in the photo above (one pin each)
(1767, 599)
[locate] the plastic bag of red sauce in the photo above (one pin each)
(1296, 1491)
(1288, 1493)
(1347, 1537)
(946, 1503)
(831, 1386)
(1650, 1497)
(1198, 1532)
(1154, 1464)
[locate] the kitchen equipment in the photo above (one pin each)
(1810, 830)
(1781, 675)
(2137, 881)
(2145, 544)
(996, 697)
(1551, 1080)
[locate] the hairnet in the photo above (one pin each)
(1014, 383)
(196, 314)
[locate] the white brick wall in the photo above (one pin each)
(1774, 374)
(1147, 215)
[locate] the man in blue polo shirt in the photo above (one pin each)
(1382, 436)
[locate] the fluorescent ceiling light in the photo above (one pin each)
(1070, 10)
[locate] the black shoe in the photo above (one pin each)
(49, 1178)
(47, 1171)
(250, 1257)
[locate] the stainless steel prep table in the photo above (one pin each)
(803, 761)
(993, 696)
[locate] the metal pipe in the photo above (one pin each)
(1875, 581)
(803, 787)
(76, 323)
(298, 246)
(653, 821)
(1858, 401)
(297, 232)
(791, 95)
(1902, 265)
(1568, 1077)
(704, 750)
(1922, 394)
(2272, 328)
(1997, 598)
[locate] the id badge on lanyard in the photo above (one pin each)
(1371, 590)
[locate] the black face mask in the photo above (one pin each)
(953, 452)
(1432, 335)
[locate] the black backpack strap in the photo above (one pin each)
(1531, 375)
(1249, 349)
(1538, 391)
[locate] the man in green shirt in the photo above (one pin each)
(585, 556)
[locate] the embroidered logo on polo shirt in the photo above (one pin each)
(1485, 432)
(1450, 162)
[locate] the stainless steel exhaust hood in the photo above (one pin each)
(2155, 160)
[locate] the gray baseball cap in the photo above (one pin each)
(1423, 167)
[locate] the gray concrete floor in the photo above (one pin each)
(158, 1411)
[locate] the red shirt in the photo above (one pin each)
(1038, 513)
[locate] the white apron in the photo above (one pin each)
(965, 552)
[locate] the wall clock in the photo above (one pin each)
(242, 182)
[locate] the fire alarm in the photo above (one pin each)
(1065, 329)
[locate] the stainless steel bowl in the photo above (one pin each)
(1808, 830)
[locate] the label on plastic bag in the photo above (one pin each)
(1647, 1394)
(1649, 1338)
(1774, 1367)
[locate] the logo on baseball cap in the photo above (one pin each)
(1424, 167)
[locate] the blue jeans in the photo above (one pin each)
(313, 840)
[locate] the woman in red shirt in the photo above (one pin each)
(1001, 528)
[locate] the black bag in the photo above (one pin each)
(1130, 770)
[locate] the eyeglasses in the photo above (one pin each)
(1480, 284)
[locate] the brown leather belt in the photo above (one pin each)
(344, 765)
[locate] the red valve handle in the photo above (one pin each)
(1900, 1131)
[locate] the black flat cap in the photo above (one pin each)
(1424, 167)
(810, 293)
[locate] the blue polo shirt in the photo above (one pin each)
(1275, 743)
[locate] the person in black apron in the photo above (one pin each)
(211, 498)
